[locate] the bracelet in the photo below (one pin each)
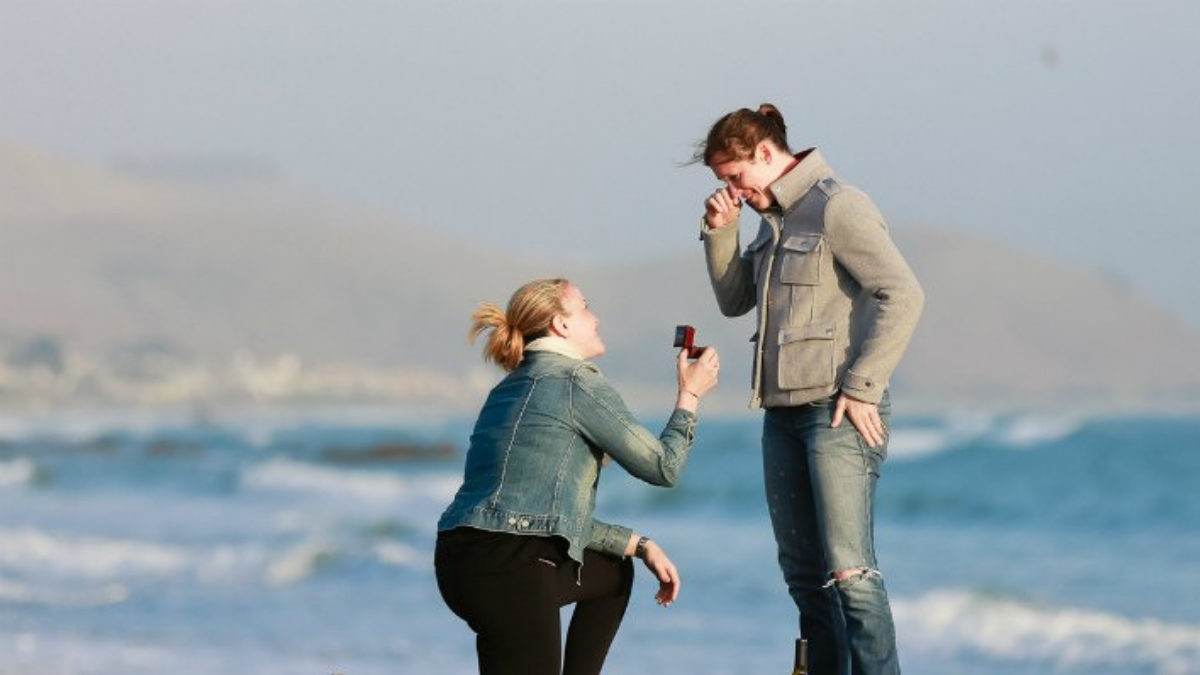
(640, 550)
(689, 392)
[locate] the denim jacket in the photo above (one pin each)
(537, 449)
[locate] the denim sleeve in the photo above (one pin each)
(601, 416)
(610, 539)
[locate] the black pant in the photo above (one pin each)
(509, 588)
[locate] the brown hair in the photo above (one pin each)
(737, 134)
(530, 311)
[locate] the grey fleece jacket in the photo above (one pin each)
(837, 304)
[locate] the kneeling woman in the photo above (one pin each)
(518, 542)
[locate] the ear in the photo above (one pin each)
(558, 325)
(766, 152)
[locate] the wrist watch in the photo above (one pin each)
(640, 550)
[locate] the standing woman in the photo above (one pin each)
(519, 541)
(836, 306)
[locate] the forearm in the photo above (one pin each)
(891, 330)
(688, 401)
(730, 274)
(631, 544)
(640, 546)
(602, 417)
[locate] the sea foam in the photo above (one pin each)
(90, 557)
(26, 594)
(39, 554)
(290, 475)
(953, 622)
(1035, 430)
(16, 472)
(952, 432)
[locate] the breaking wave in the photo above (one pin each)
(957, 622)
(290, 475)
(16, 472)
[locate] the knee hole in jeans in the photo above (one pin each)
(852, 576)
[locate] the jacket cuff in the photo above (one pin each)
(610, 539)
(707, 232)
(685, 422)
(862, 387)
(681, 417)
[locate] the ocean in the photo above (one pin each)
(300, 541)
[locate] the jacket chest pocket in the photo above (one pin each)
(800, 259)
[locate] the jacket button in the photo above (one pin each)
(512, 521)
(524, 522)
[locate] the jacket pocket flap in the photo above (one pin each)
(801, 243)
(812, 331)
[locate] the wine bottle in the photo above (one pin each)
(801, 663)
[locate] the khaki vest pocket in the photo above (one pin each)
(800, 259)
(806, 356)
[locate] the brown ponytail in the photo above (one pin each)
(737, 134)
(530, 311)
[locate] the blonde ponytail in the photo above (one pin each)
(530, 311)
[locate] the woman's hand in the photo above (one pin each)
(697, 377)
(722, 208)
(661, 566)
(864, 416)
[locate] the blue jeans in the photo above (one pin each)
(820, 485)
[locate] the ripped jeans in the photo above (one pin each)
(820, 486)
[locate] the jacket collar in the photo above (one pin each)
(791, 187)
(554, 344)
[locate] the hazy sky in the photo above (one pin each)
(1071, 129)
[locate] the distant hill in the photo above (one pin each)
(115, 285)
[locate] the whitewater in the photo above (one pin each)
(285, 542)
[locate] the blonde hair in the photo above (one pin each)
(530, 311)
